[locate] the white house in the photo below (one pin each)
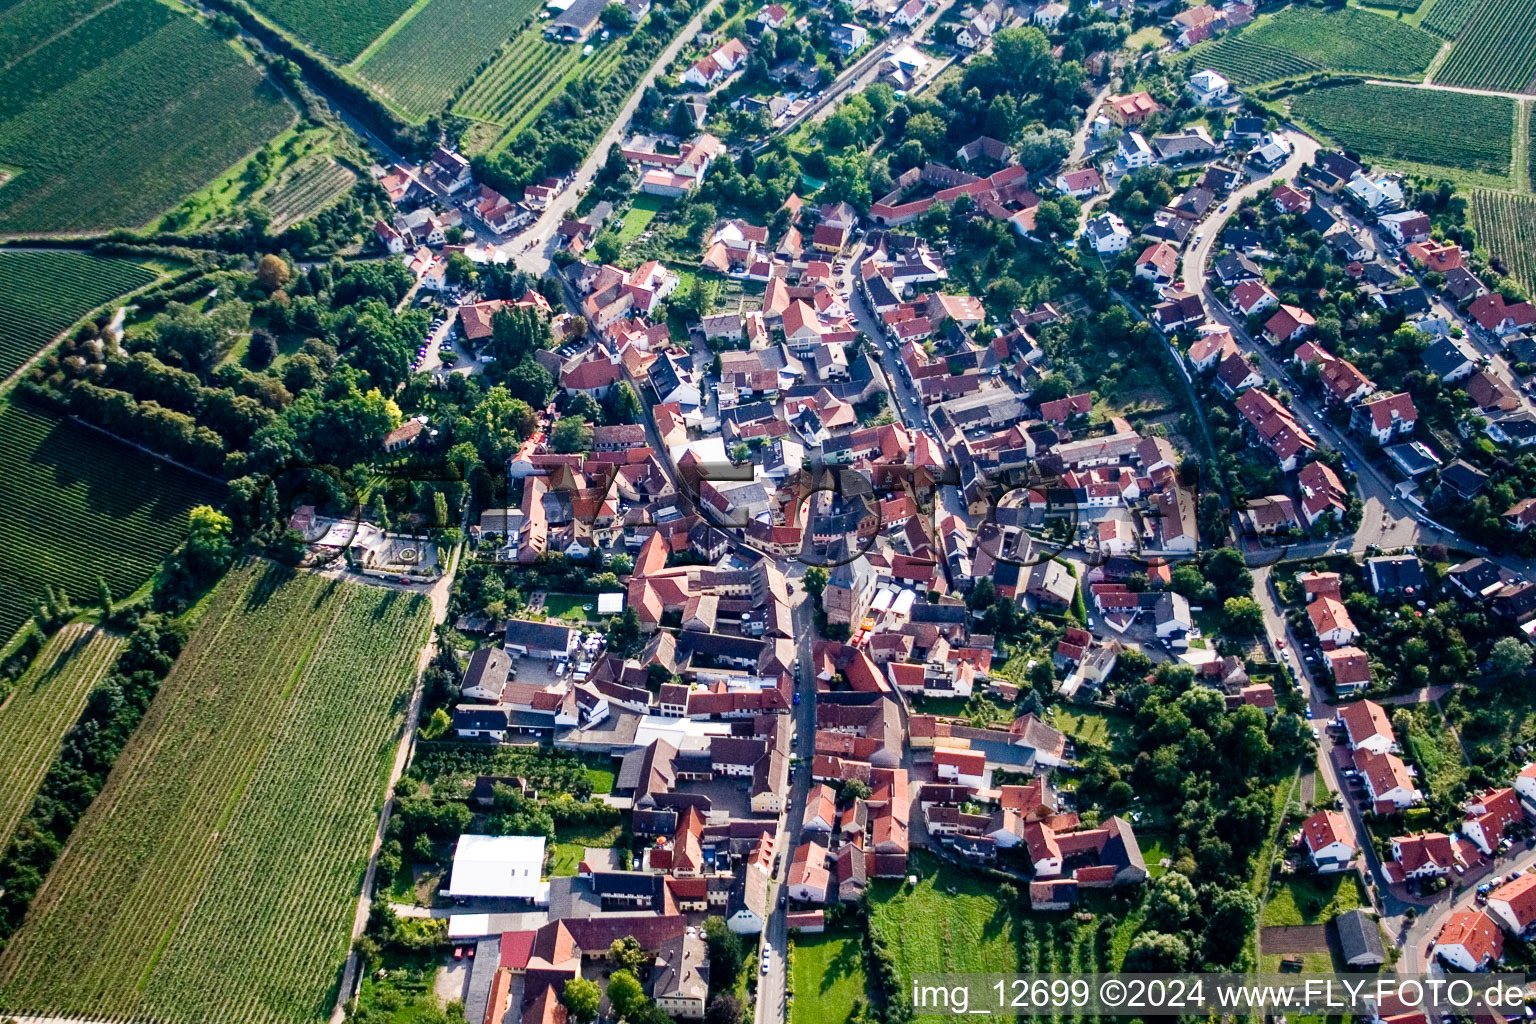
(1525, 785)
(1386, 779)
(1107, 233)
(1366, 725)
(498, 867)
(965, 767)
(1208, 89)
(1048, 16)
(1488, 815)
(808, 874)
(1080, 184)
(1326, 836)
(1469, 941)
(1513, 904)
(1134, 151)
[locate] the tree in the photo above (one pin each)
(1157, 952)
(103, 596)
(208, 550)
(740, 453)
(1510, 655)
(725, 1009)
(625, 995)
(725, 953)
(272, 272)
(616, 18)
(853, 789)
(262, 349)
(532, 383)
(1242, 617)
(815, 580)
(571, 434)
(1233, 915)
(582, 999)
(627, 954)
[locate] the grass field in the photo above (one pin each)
(1409, 124)
(431, 56)
(829, 977)
(1506, 225)
(953, 922)
(184, 105)
(80, 506)
(1313, 900)
(1496, 50)
(1299, 40)
(1089, 726)
(307, 191)
(340, 29)
(230, 839)
(640, 215)
(43, 705)
(42, 293)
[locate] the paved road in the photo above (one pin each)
(438, 595)
(531, 249)
(1435, 87)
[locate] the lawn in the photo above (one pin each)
(79, 506)
(572, 842)
(571, 607)
(601, 773)
(1144, 37)
(231, 836)
(829, 977)
(404, 994)
(1434, 751)
(1154, 850)
(1090, 726)
(640, 215)
(184, 106)
(1313, 899)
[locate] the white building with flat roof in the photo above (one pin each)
(498, 867)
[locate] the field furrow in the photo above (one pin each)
(235, 828)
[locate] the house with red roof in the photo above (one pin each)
(1499, 318)
(1469, 941)
(1322, 493)
(1329, 841)
(1275, 426)
(1427, 855)
(1383, 417)
(1513, 904)
(1290, 323)
(1332, 624)
(1132, 109)
(1440, 257)
(1158, 263)
(1251, 297)
(1387, 781)
(1488, 815)
(1367, 727)
(1351, 669)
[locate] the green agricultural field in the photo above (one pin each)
(1410, 124)
(525, 76)
(829, 977)
(184, 106)
(1302, 40)
(231, 837)
(44, 703)
(25, 23)
(42, 293)
(340, 29)
(953, 922)
(80, 506)
(433, 55)
(1497, 50)
(1506, 225)
(1448, 17)
(308, 191)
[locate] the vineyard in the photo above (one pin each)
(1410, 124)
(437, 51)
(1300, 40)
(79, 506)
(309, 191)
(43, 705)
(1506, 225)
(1497, 50)
(529, 73)
(42, 293)
(340, 29)
(184, 106)
(26, 24)
(1448, 17)
(1407, 6)
(216, 875)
